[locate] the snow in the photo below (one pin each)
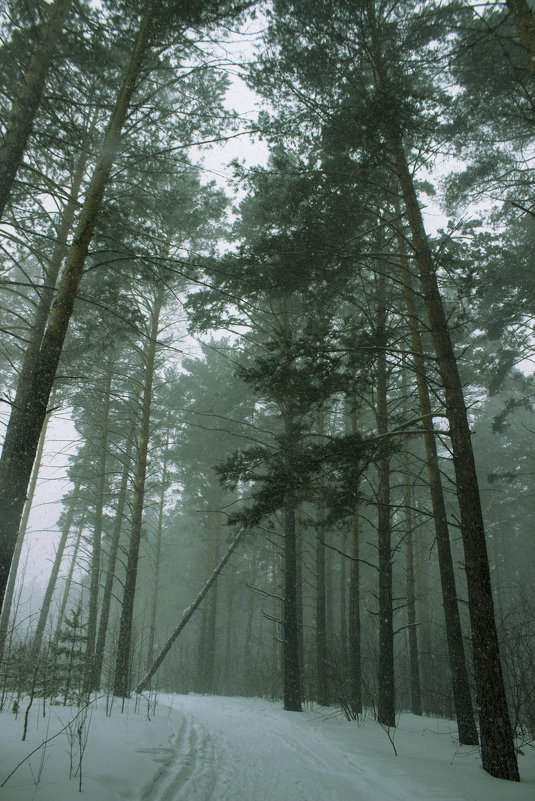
(207, 748)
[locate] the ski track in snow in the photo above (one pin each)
(189, 771)
(244, 749)
(209, 748)
(217, 759)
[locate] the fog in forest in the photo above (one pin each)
(267, 303)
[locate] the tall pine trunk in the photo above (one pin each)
(497, 746)
(355, 661)
(454, 635)
(496, 735)
(20, 446)
(291, 667)
(95, 568)
(46, 292)
(122, 665)
(207, 635)
(26, 104)
(112, 556)
(414, 660)
(320, 611)
(157, 555)
(10, 589)
(385, 701)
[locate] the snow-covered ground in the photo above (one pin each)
(205, 748)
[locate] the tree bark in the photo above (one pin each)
(414, 660)
(322, 668)
(112, 558)
(525, 26)
(25, 106)
(291, 668)
(19, 448)
(343, 604)
(46, 294)
(355, 661)
(231, 646)
(95, 569)
(497, 746)
(248, 659)
(207, 635)
(10, 589)
(157, 556)
(122, 677)
(385, 703)
(460, 683)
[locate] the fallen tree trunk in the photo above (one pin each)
(189, 612)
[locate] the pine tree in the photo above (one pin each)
(68, 656)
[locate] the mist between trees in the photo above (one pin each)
(355, 409)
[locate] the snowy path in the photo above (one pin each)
(237, 749)
(207, 748)
(247, 750)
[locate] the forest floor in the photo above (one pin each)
(207, 748)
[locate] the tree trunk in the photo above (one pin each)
(460, 683)
(10, 589)
(51, 586)
(385, 702)
(68, 582)
(25, 106)
(231, 646)
(94, 588)
(248, 658)
(112, 558)
(157, 556)
(46, 297)
(525, 27)
(189, 612)
(122, 678)
(19, 448)
(355, 662)
(414, 661)
(322, 667)
(421, 586)
(497, 746)
(207, 636)
(343, 605)
(291, 667)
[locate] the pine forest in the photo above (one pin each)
(267, 374)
